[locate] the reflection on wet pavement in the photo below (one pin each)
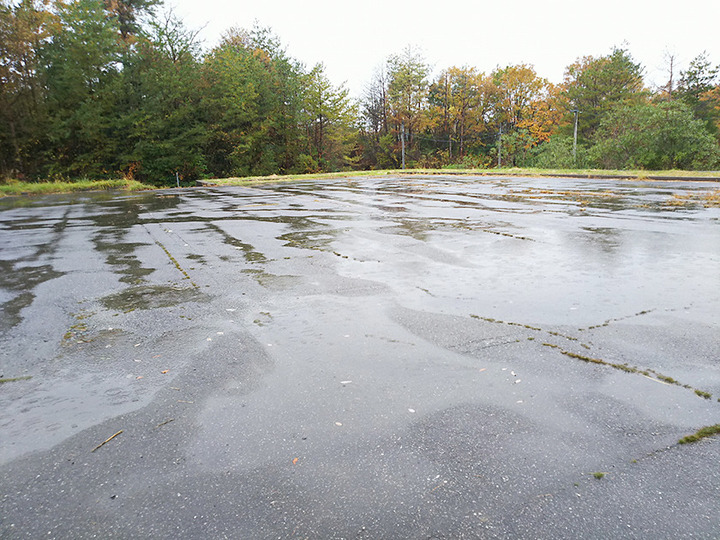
(529, 309)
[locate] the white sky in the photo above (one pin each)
(353, 38)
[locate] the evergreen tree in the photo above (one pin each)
(594, 86)
(329, 119)
(695, 83)
(80, 67)
(161, 117)
(407, 98)
(252, 98)
(655, 137)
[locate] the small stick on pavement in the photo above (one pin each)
(165, 422)
(107, 440)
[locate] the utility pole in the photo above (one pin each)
(500, 147)
(402, 142)
(577, 113)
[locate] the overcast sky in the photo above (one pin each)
(352, 38)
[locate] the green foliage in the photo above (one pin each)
(108, 88)
(407, 98)
(162, 123)
(306, 165)
(557, 153)
(128, 13)
(696, 82)
(407, 87)
(24, 30)
(80, 65)
(252, 103)
(328, 118)
(460, 101)
(595, 86)
(662, 136)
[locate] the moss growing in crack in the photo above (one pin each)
(629, 369)
(15, 379)
(523, 326)
(586, 358)
(707, 431)
(510, 323)
(652, 374)
(625, 368)
(176, 263)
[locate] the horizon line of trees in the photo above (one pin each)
(107, 88)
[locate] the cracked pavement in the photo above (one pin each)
(406, 357)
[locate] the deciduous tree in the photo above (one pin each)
(521, 111)
(24, 30)
(461, 101)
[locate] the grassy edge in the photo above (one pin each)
(579, 173)
(15, 189)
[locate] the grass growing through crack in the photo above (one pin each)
(628, 369)
(15, 379)
(650, 373)
(707, 431)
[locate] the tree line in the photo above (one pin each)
(102, 88)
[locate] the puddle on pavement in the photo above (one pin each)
(319, 239)
(249, 252)
(21, 280)
(152, 297)
(563, 278)
(12, 308)
(272, 281)
(120, 256)
(197, 258)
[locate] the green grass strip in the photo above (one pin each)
(14, 189)
(514, 171)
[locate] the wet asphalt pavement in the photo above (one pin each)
(419, 357)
